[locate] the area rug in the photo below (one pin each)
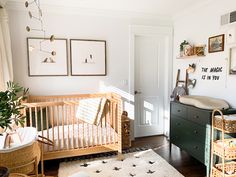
(139, 164)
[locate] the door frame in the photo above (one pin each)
(139, 30)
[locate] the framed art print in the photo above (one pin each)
(216, 43)
(88, 57)
(47, 57)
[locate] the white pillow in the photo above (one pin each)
(80, 174)
(204, 102)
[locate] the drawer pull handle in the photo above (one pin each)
(195, 131)
(196, 117)
(195, 147)
(177, 123)
(179, 110)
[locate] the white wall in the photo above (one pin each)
(112, 28)
(196, 26)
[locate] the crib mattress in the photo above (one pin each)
(79, 136)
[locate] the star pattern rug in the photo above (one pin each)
(138, 164)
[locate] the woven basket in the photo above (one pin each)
(23, 160)
(228, 125)
(228, 153)
(229, 167)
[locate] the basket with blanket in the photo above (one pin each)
(76, 124)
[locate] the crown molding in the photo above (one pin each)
(71, 10)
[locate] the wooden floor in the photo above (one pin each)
(184, 163)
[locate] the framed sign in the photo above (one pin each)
(88, 57)
(47, 57)
(216, 43)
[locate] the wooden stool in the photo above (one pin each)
(17, 175)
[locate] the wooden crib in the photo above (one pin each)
(55, 118)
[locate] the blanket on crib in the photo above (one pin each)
(91, 110)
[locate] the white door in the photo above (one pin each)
(149, 84)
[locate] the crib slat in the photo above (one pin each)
(47, 125)
(106, 132)
(101, 138)
(87, 136)
(73, 124)
(30, 115)
(78, 123)
(97, 136)
(110, 124)
(58, 129)
(114, 124)
(83, 136)
(63, 130)
(116, 115)
(36, 118)
(52, 118)
(41, 120)
(68, 128)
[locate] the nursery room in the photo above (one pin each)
(109, 88)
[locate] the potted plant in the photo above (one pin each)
(182, 44)
(11, 106)
(10, 111)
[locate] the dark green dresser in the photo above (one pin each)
(190, 130)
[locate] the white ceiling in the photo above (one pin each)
(155, 7)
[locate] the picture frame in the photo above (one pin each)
(216, 43)
(199, 50)
(88, 57)
(47, 58)
(232, 60)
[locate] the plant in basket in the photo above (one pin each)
(11, 106)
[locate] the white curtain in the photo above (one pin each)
(6, 70)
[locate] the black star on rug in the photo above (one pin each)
(150, 172)
(104, 162)
(134, 165)
(85, 165)
(116, 169)
(98, 171)
(151, 162)
(137, 157)
(132, 174)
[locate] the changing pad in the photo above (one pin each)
(204, 102)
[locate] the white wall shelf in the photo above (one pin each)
(190, 57)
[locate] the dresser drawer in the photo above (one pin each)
(199, 151)
(179, 110)
(196, 132)
(200, 117)
(178, 133)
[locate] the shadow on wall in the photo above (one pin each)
(128, 102)
(148, 111)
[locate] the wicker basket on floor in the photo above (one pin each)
(229, 170)
(24, 160)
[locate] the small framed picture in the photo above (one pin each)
(232, 60)
(199, 50)
(216, 43)
(88, 57)
(47, 57)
